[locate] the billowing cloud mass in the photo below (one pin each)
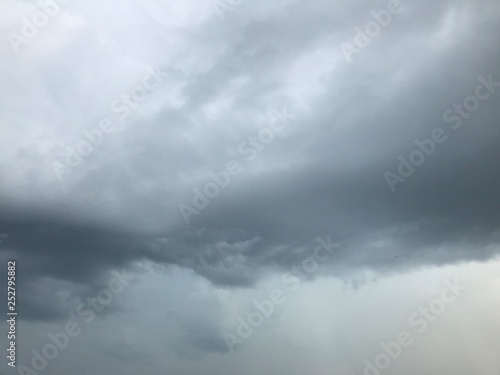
(323, 156)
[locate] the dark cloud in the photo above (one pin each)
(322, 176)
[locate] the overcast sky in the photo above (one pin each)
(336, 159)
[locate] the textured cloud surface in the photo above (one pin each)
(216, 142)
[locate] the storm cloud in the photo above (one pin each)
(117, 118)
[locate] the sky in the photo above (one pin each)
(225, 186)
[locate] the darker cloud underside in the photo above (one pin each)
(324, 177)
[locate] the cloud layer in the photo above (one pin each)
(115, 117)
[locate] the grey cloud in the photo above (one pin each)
(322, 176)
